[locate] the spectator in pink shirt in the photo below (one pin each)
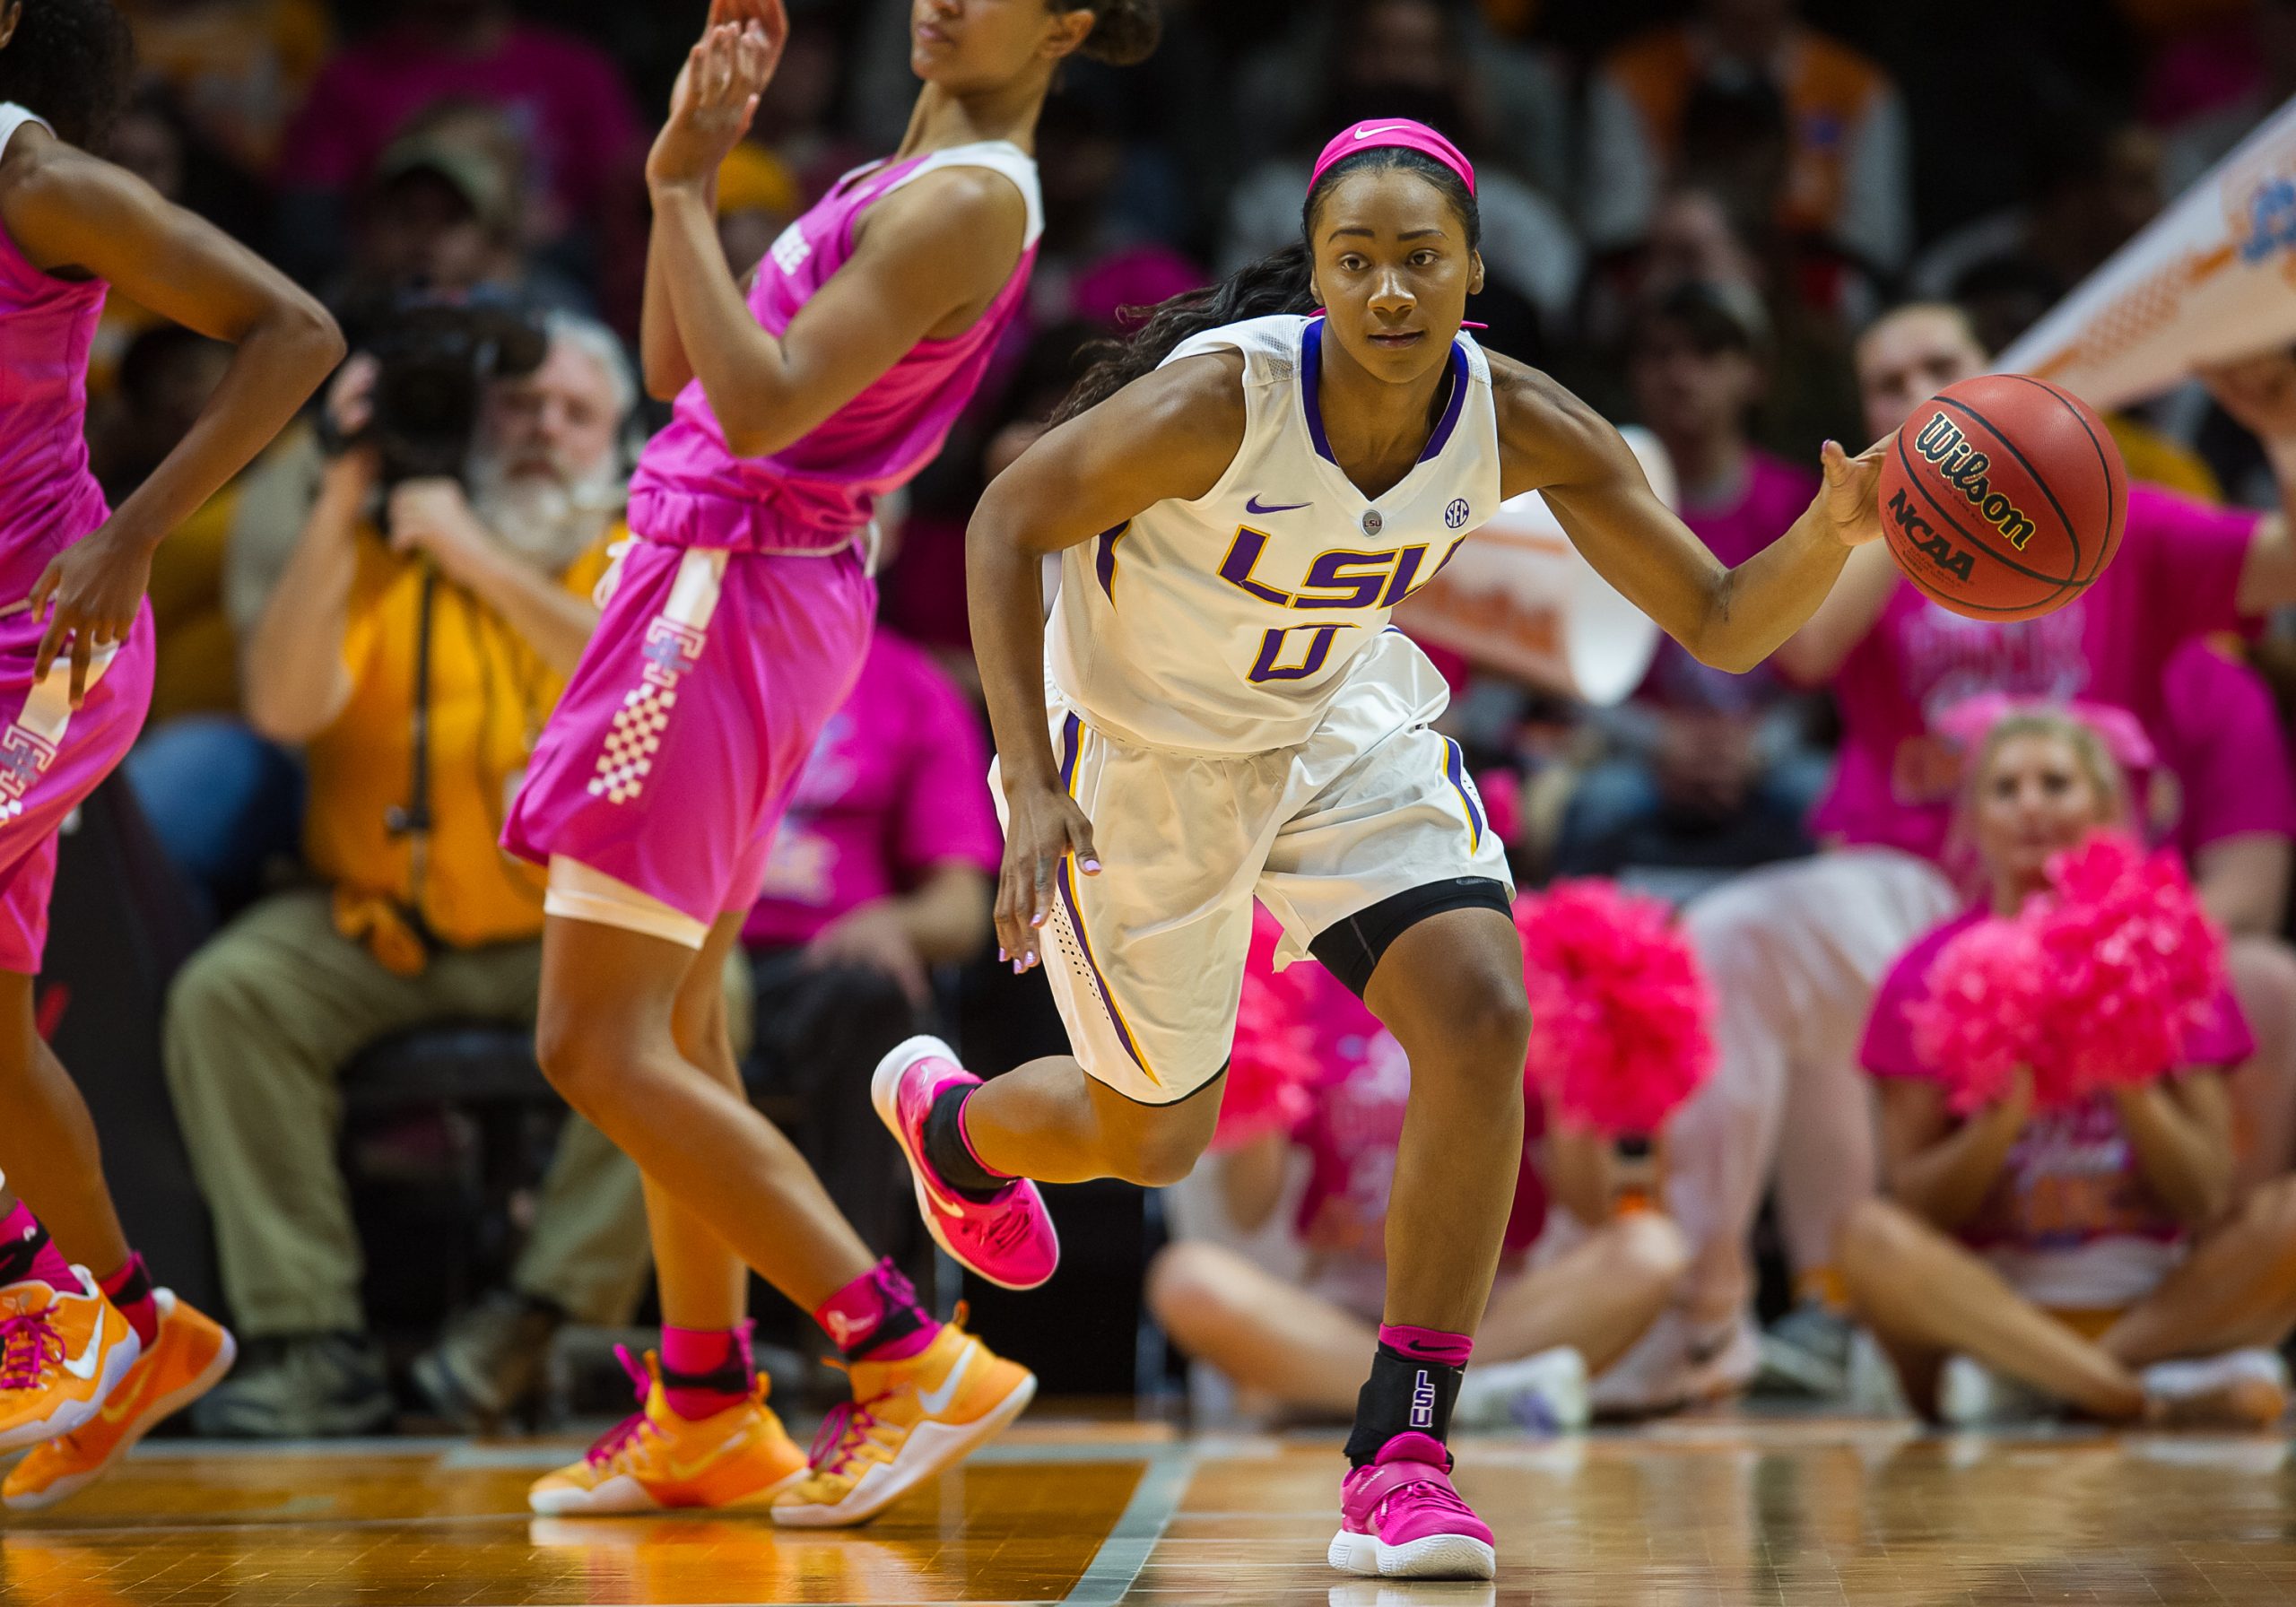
(585, 142)
(2030, 1257)
(880, 871)
(1795, 951)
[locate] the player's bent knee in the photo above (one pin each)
(1161, 1155)
(585, 1064)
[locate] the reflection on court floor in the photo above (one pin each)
(1717, 1511)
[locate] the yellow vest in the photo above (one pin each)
(490, 696)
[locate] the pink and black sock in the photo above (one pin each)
(876, 1317)
(949, 1150)
(26, 1251)
(1415, 1381)
(707, 1370)
(129, 1289)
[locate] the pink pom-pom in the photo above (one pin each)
(1272, 1065)
(2135, 965)
(1980, 1018)
(2095, 984)
(1619, 1009)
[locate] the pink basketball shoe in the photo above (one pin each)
(1401, 1519)
(1009, 1239)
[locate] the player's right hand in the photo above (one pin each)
(1045, 827)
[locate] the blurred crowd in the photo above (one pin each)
(1746, 225)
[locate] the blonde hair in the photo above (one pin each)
(2103, 771)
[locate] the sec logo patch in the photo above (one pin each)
(1457, 514)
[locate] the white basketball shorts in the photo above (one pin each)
(1147, 958)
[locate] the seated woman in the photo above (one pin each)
(2086, 1257)
(1577, 1288)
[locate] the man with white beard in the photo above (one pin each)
(483, 599)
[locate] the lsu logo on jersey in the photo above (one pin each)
(1343, 578)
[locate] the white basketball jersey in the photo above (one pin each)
(1225, 624)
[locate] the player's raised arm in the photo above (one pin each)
(1731, 619)
(927, 255)
(1170, 435)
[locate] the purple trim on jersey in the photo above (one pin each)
(1455, 767)
(1072, 747)
(1453, 408)
(1104, 563)
(1311, 373)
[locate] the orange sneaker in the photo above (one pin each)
(189, 1357)
(62, 1351)
(739, 1457)
(907, 1420)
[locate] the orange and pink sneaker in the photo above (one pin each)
(909, 1420)
(62, 1353)
(189, 1357)
(1008, 1239)
(655, 1459)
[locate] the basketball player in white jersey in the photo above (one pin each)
(1244, 493)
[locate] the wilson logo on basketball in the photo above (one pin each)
(1964, 467)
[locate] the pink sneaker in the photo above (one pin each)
(1401, 1519)
(1008, 1240)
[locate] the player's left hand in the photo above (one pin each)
(434, 518)
(716, 96)
(90, 596)
(1851, 498)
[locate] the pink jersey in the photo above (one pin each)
(2176, 577)
(690, 491)
(47, 498)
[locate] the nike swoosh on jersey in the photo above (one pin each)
(936, 1402)
(83, 1366)
(1252, 505)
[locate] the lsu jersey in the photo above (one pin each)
(1225, 624)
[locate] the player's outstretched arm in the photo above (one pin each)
(1553, 443)
(71, 214)
(1170, 435)
(925, 253)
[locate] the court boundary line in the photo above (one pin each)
(1124, 1552)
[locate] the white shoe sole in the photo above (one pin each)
(64, 1489)
(1437, 1557)
(930, 1448)
(885, 1087)
(74, 1413)
(622, 1496)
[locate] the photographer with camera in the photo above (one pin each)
(420, 637)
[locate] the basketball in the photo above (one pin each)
(2002, 497)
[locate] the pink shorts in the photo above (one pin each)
(52, 756)
(669, 761)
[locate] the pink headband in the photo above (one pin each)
(1969, 722)
(1400, 133)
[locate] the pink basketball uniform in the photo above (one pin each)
(739, 617)
(51, 755)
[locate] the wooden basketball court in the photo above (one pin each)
(1721, 1511)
